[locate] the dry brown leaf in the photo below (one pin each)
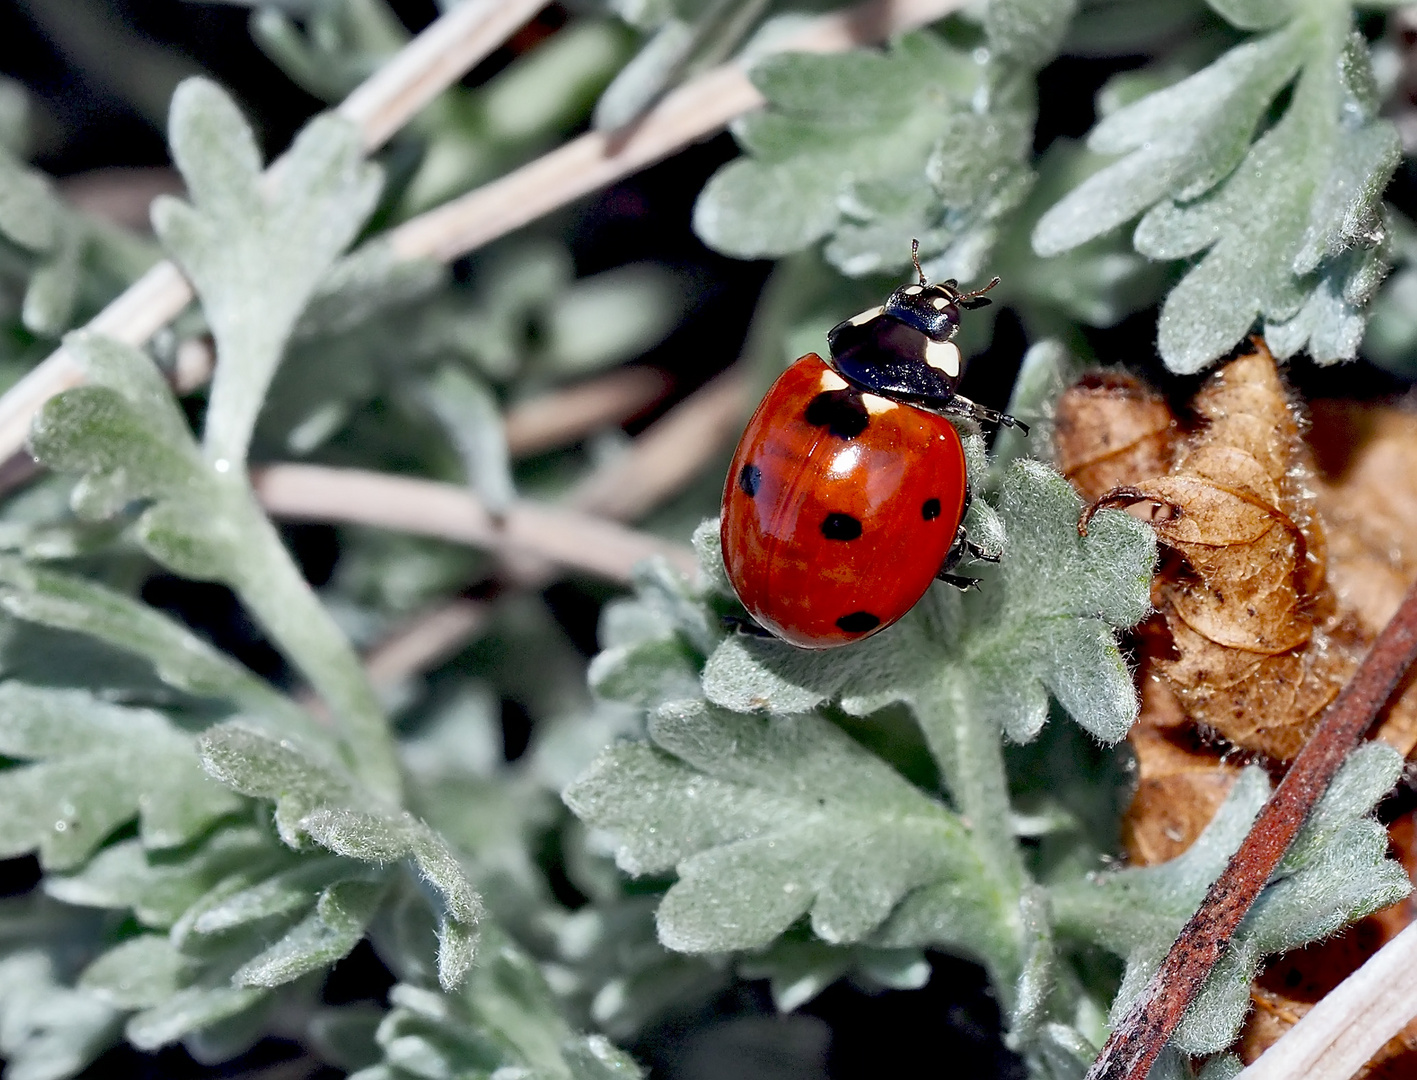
(1257, 647)
(1262, 613)
(1181, 780)
(1366, 494)
(1111, 430)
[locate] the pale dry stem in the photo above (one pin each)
(389, 98)
(1335, 1038)
(694, 111)
(659, 462)
(567, 537)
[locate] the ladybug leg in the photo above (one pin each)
(745, 625)
(962, 406)
(963, 584)
(963, 546)
(958, 550)
(974, 551)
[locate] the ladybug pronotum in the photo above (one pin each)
(847, 493)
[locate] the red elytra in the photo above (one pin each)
(840, 508)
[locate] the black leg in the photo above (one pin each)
(744, 624)
(976, 552)
(963, 584)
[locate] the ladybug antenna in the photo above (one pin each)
(915, 258)
(976, 299)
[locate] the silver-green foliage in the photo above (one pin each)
(792, 826)
(867, 149)
(769, 812)
(1284, 215)
(504, 1018)
(1336, 871)
(256, 249)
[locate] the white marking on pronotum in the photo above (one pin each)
(866, 316)
(832, 381)
(941, 303)
(876, 405)
(943, 356)
(912, 290)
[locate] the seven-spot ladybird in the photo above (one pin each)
(847, 493)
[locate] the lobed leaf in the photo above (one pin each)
(1289, 225)
(256, 250)
(1043, 625)
(1336, 872)
(48, 1031)
(180, 658)
(316, 799)
(93, 766)
(767, 820)
(864, 149)
(504, 1019)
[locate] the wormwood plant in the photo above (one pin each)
(696, 810)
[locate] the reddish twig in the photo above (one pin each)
(1144, 1029)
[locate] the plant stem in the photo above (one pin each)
(1339, 1035)
(452, 512)
(1143, 1031)
(275, 592)
(387, 100)
(969, 751)
(696, 110)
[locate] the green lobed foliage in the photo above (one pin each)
(722, 809)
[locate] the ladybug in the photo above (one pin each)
(847, 492)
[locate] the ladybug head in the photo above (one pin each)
(933, 309)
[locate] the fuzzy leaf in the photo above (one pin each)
(48, 1031)
(30, 214)
(470, 416)
(180, 658)
(1336, 872)
(609, 318)
(139, 973)
(857, 148)
(297, 777)
(189, 1010)
(127, 437)
(316, 799)
(797, 971)
(505, 1020)
(324, 936)
(767, 820)
(1042, 625)
(160, 887)
(1278, 220)
(95, 766)
(255, 251)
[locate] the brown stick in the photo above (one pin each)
(1144, 1029)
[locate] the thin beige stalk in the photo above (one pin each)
(694, 111)
(1338, 1036)
(393, 95)
(569, 538)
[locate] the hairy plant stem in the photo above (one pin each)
(277, 594)
(969, 751)
(1144, 1029)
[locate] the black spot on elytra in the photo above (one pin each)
(841, 527)
(749, 478)
(858, 622)
(931, 510)
(842, 412)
